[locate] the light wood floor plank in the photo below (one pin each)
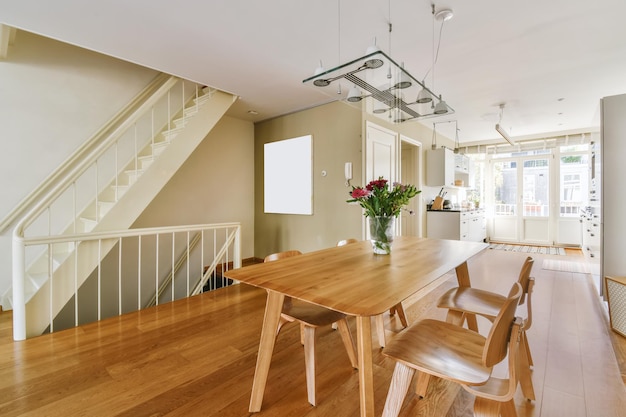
(196, 357)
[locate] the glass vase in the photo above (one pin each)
(381, 233)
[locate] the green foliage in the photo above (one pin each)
(377, 199)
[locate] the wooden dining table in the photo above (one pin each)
(355, 281)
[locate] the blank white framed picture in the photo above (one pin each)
(288, 176)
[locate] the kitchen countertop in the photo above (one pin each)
(456, 210)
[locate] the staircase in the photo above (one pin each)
(111, 188)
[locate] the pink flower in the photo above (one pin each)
(359, 193)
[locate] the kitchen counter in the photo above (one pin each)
(458, 210)
(458, 224)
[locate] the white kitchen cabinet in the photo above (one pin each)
(440, 165)
(444, 167)
(457, 225)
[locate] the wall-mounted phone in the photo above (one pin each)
(348, 173)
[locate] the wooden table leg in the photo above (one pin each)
(462, 275)
(463, 278)
(273, 308)
(366, 371)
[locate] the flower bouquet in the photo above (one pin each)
(381, 205)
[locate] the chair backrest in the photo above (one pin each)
(524, 277)
(498, 389)
(527, 282)
(345, 242)
(281, 255)
(496, 345)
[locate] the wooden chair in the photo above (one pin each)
(448, 351)
(380, 324)
(496, 396)
(311, 316)
(464, 303)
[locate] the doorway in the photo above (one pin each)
(410, 173)
(521, 198)
(396, 158)
(536, 196)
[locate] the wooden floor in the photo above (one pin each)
(196, 357)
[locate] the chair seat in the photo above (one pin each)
(311, 314)
(419, 347)
(472, 300)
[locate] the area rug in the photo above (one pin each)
(542, 250)
(566, 266)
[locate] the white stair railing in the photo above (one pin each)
(78, 197)
(89, 184)
(131, 266)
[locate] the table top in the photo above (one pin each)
(355, 281)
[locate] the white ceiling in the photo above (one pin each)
(550, 62)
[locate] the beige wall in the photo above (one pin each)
(336, 130)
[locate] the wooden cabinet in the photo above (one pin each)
(457, 225)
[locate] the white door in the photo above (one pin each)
(380, 157)
(380, 153)
(521, 199)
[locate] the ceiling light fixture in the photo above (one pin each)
(500, 130)
(384, 85)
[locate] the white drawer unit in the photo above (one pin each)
(591, 224)
(456, 225)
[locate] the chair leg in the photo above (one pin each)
(348, 341)
(400, 382)
(484, 407)
(400, 310)
(380, 330)
(527, 347)
(309, 361)
(302, 337)
(421, 386)
(525, 377)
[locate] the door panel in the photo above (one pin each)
(380, 158)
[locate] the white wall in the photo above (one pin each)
(53, 97)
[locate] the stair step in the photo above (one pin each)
(88, 224)
(181, 122)
(60, 253)
(121, 189)
(37, 280)
(158, 147)
(191, 111)
(133, 175)
(104, 207)
(169, 135)
(146, 161)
